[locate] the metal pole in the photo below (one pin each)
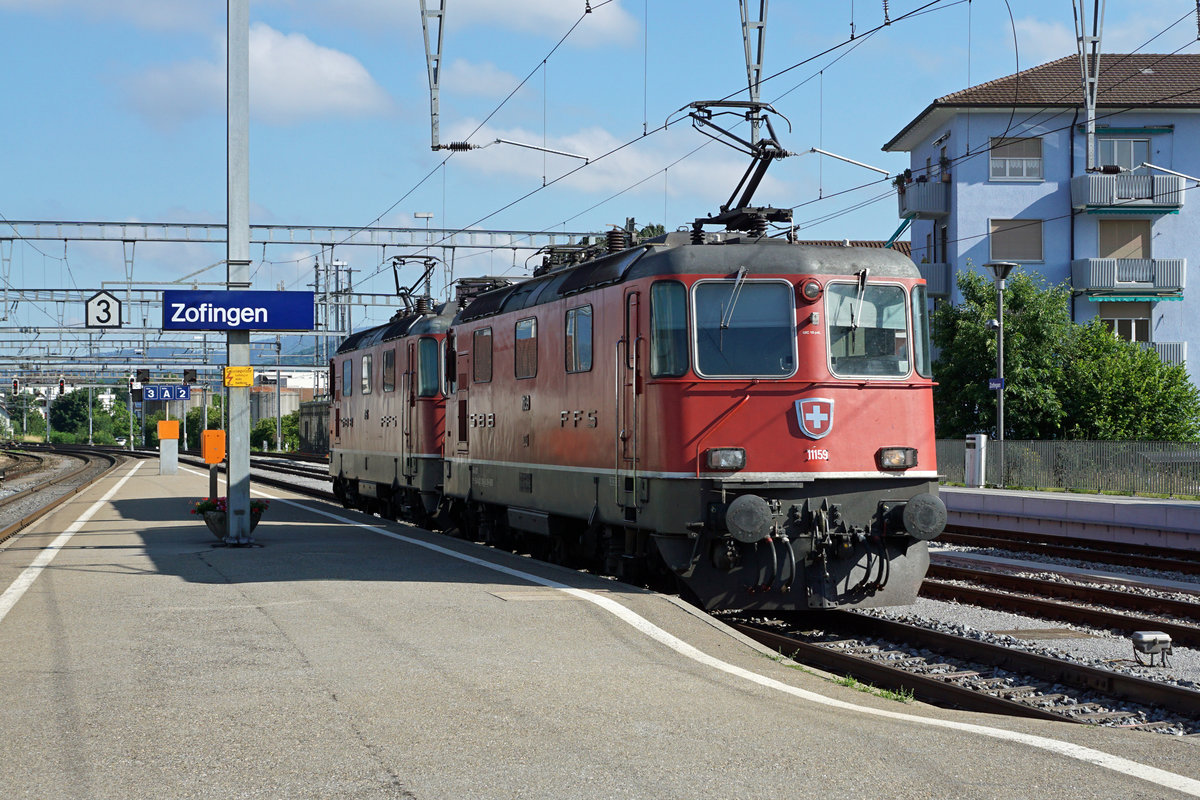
(238, 258)
(89, 416)
(278, 398)
(1000, 373)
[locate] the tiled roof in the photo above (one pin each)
(1138, 79)
(902, 247)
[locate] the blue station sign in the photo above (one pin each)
(237, 311)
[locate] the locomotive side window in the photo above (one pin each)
(579, 339)
(347, 377)
(868, 330)
(745, 328)
(427, 376)
(366, 374)
(668, 329)
(525, 350)
(920, 315)
(481, 355)
(389, 370)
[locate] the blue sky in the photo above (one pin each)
(116, 113)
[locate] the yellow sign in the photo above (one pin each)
(239, 376)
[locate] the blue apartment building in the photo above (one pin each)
(999, 173)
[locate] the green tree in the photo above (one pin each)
(1123, 390)
(263, 432)
(1062, 380)
(69, 412)
(1037, 337)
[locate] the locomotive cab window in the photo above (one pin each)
(668, 329)
(481, 355)
(389, 370)
(868, 330)
(427, 375)
(347, 377)
(366, 374)
(579, 339)
(920, 315)
(745, 328)
(525, 349)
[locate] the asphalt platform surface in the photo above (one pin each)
(348, 657)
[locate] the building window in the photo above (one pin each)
(1016, 160)
(579, 339)
(481, 355)
(1016, 239)
(427, 374)
(1124, 238)
(389, 370)
(1128, 321)
(347, 378)
(1128, 154)
(366, 374)
(525, 349)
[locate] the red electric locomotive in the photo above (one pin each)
(387, 415)
(754, 415)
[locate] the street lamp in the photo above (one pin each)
(1000, 270)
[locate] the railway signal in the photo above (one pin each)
(62, 386)
(189, 376)
(16, 385)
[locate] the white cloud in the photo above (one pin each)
(705, 178)
(606, 24)
(291, 79)
(483, 80)
(1040, 42)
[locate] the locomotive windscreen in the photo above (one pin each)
(745, 328)
(868, 330)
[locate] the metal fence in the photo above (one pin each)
(1156, 468)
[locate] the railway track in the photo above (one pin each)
(56, 488)
(1091, 606)
(943, 669)
(1113, 553)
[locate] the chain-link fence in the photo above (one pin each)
(1155, 468)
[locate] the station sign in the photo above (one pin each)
(157, 393)
(995, 384)
(237, 311)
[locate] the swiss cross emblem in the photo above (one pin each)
(815, 415)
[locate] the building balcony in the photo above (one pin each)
(1170, 352)
(1127, 193)
(938, 280)
(924, 200)
(1153, 276)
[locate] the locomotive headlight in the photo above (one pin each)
(897, 457)
(810, 290)
(725, 458)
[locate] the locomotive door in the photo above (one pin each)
(407, 414)
(629, 389)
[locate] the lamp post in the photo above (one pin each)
(1000, 270)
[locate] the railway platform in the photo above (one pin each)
(1145, 520)
(351, 657)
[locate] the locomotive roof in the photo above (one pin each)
(758, 256)
(401, 325)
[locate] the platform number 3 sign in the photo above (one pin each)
(103, 311)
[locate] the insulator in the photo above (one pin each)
(758, 225)
(618, 239)
(697, 234)
(458, 146)
(423, 305)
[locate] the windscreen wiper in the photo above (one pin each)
(856, 318)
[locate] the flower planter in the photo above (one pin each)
(218, 524)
